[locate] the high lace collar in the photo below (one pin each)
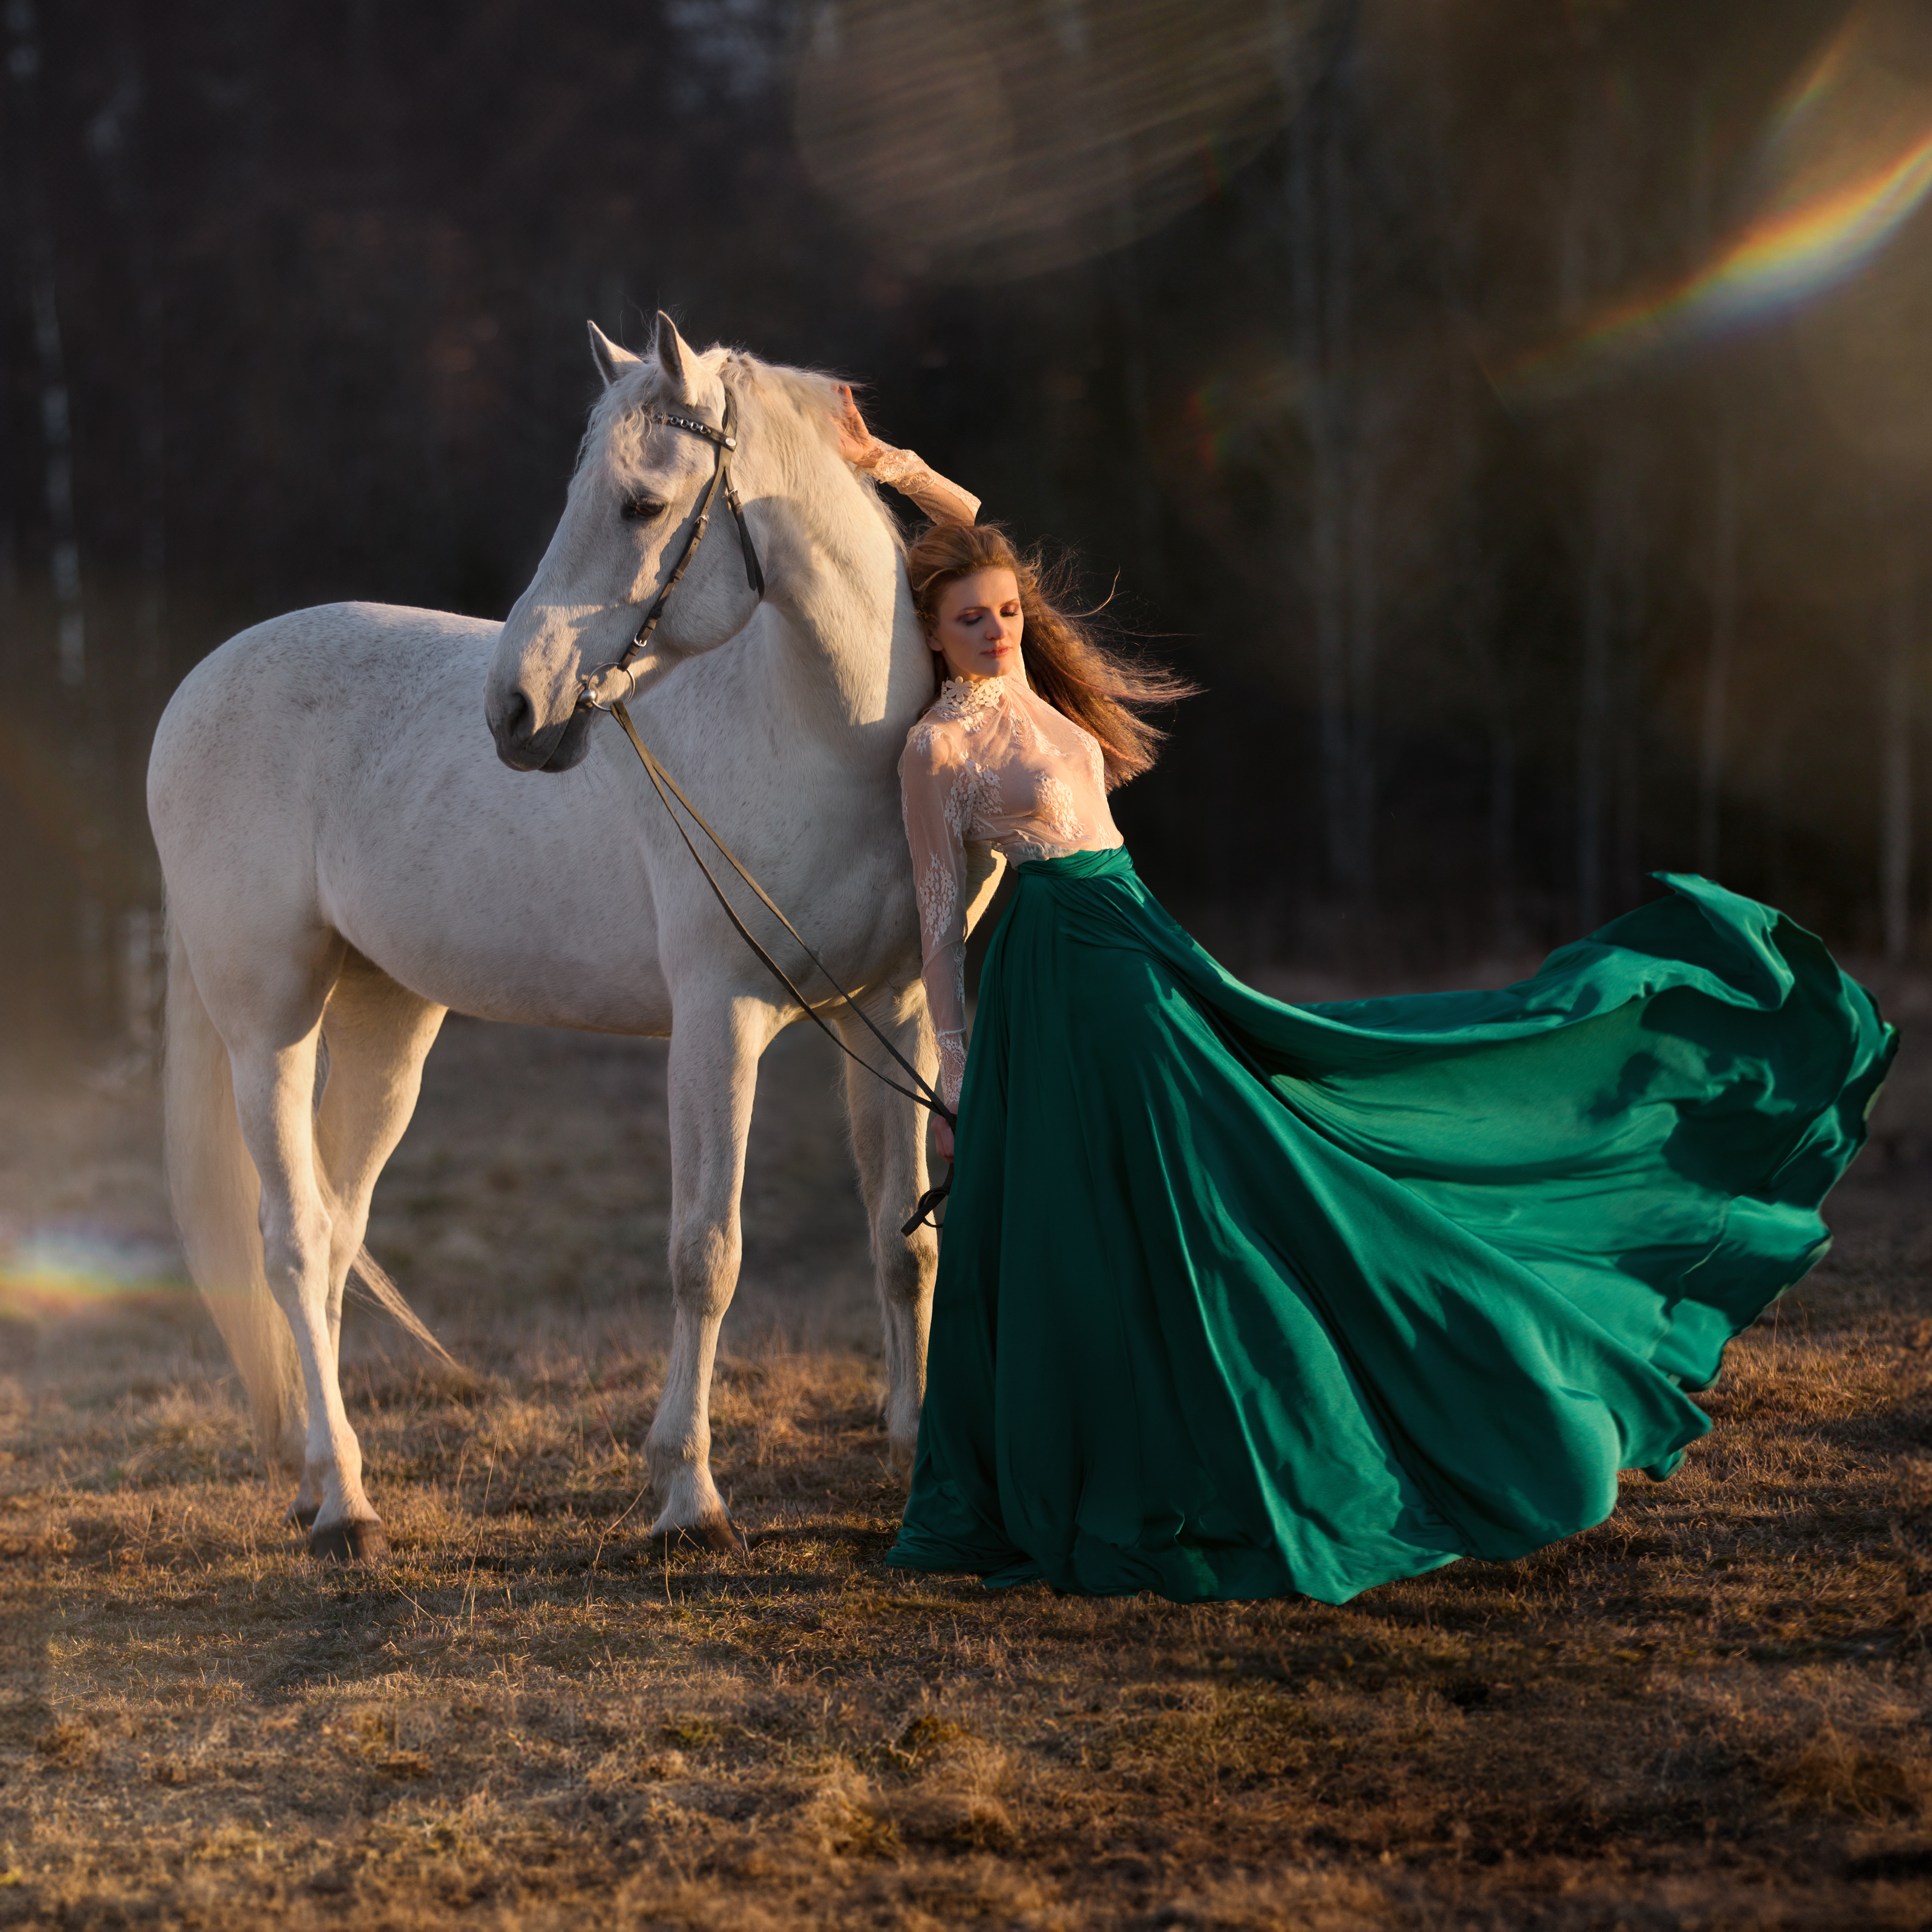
(968, 701)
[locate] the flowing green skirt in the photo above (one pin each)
(1240, 1299)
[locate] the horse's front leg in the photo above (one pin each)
(889, 1140)
(713, 1078)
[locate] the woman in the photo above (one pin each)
(1238, 1299)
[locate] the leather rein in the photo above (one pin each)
(592, 695)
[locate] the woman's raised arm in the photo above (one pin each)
(943, 500)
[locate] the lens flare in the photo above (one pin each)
(60, 1272)
(1013, 136)
(1848, 160)
(1825, 76)
(1228, 406)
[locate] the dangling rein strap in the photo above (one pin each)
(595, 693)
(666, 788)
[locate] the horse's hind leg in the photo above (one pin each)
(889, 1141)
(713, 1077)
(272, 1022)
(378, 1034)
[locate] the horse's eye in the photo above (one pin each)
(641, 509)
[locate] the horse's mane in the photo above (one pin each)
(790, 411)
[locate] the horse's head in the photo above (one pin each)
(640, 484)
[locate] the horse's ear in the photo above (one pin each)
(611, 360)
(675, 359)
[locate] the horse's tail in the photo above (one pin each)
(217, 1199)
(382, 1290)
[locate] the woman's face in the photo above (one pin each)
(977, 629)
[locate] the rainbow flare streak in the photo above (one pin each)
(1811, 241)
(50, 1277)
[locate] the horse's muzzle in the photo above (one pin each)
(523, 747)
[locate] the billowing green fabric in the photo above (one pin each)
(1241, 1299)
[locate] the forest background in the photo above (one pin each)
(1517, 415)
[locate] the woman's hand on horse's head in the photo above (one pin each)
(942, 1137)
(857, 443)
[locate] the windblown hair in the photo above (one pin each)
(1096, 686)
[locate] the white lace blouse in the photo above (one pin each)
(991, 760)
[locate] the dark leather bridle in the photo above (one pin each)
(921, 1092)
(726, 444)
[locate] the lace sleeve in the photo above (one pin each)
(943, 501)
(927, 783)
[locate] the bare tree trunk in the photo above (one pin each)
(1609, 772)
(1352, 421)
(1630, 669)
(39, 277)
(1593, 703)
(118, 138)
(1310, 164)
(1589, 253)
(10, 579)
(1723, 641)
(128, 168)
(1475, 601)
(1778, 855)
(1502, 825)
(1131, 300)
(1363, 644)
(1472, 575)
(38, 273)
(1896, 721)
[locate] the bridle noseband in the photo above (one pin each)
(590, 694)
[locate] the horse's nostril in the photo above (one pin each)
(514, 727)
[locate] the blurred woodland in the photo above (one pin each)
(1517, 415)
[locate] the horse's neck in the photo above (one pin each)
(856, 660)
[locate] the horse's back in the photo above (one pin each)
(253, 729)
(331, 771)
(343, 656)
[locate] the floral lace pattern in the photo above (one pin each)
(938, 893)
(1097, 763)
(951, 1066)
(937, 890)
(975, 797)
(992, 761)
(1054, 806)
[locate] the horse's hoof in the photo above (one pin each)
(720, 1536)
(302, 1516)
(349, 1543)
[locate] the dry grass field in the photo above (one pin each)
(1712, 1713)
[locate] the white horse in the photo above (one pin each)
(345, 859)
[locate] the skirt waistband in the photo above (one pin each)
(1111, 864)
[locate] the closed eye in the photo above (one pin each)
(641, 509)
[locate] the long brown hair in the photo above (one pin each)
(1090, 682)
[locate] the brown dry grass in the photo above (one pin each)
(1710, 1713)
